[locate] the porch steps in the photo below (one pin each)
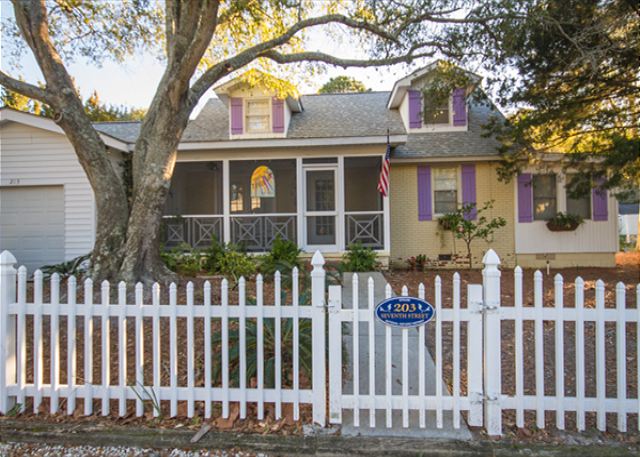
(414, 431)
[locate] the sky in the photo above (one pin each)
(133, 82)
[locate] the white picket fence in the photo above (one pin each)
(481, 394)
(485, 316)
(14, 309)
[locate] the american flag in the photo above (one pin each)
(383, 181)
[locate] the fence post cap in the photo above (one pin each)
(317, 260)
(491, 258)
(6, 258)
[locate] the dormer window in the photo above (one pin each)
(451, 112)
(437, 114)
(258, 115)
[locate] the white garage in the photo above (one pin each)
(47, 209)
(32, 224)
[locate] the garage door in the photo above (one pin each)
(32, 224)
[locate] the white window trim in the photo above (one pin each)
(458, 189)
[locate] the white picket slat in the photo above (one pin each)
(387, 366)
(71, 345)
(456, 351)
(539, 348)
(355, 339)
(372, 350)
(422, 342)
(139, 290)
(601, 417)
(621, 357)
(122, 349)
(88, 346)
(105, 346)
(139, 350)
(190, 352)
(260, 345)
(155, 343)
(519, 348)
(207, 348)
(296, 341)
(21, 335)
(559, 349)
(224, 294)
(38, 359)
(54, 338)
(173, 349)
(242, 328)
(580, 367)
(277, 338)
(405, 370)
(438, 300)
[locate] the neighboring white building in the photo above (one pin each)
(46, 202)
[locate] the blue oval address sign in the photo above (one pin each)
(404, 312)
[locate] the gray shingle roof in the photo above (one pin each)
(341, 115)
(443, 144)
(345, 115)
(126, 131)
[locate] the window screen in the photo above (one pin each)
(445, 190)
(544, 197)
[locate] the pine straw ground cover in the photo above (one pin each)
(286, 425)
(627, 271)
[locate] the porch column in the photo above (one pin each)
(386, 217)
(300, 203)
(340, 225)
(226, 203)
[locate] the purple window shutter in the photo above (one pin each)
(599, 199)
(424, 193)
(415, 109)
(236, 115)
(277, 115)
(525, 198)
(469, 188)
(459, 107)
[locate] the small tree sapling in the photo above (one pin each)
(466, 228)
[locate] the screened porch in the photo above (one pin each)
(324, 203)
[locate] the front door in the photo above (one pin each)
(320, 210)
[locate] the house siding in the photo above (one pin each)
(598, 237)
(35, 157)
(410, 237)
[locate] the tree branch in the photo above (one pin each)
(24, 88)
(332, 60)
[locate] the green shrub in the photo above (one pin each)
(65, 269)
(234, 264)
(183, 259)
(359, 258)
(283, 256)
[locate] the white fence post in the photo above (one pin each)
(318, 335)
(492, 353)
(474, 354)
(8, 359)
(335, 355)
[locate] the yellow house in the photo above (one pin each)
(253, 166)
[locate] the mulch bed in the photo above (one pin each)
(627, 271)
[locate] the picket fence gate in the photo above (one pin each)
(484, 399)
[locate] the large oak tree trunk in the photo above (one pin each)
(153, 163)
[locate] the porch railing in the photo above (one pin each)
(366, 228)
(257, 232)
(195, 230)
